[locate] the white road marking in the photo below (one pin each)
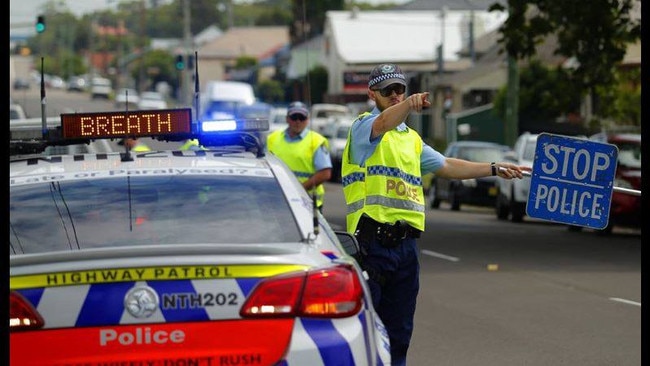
(629, 302)
(439, 255)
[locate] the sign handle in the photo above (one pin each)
(632, 192)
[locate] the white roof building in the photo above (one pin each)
(356, 40)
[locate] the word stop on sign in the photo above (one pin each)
(572, 181)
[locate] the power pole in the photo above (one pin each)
(187, 50)
(141, 81)
(512, 102)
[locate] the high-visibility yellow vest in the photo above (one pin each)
(299, 156)
(139, 147)
(191, 144)
(389, 187)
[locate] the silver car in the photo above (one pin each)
(513, 193)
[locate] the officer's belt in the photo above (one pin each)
(399, 230)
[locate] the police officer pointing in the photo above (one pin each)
(382, 168)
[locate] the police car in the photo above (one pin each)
(207, 257)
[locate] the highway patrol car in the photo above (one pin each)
(208, 257)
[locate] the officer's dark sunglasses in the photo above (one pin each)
(388, 91)
(297, 117)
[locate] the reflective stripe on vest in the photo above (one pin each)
(389, 187)
(299, 156)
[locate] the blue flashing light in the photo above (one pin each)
(231, 125)
(221, 125)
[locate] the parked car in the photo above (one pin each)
(208, 257)
(16, 112)
(77, 83)
(512, 194)
(21, 84)
(278, 118)
(337, 139)
(57, 82)
(323, 114)
(152, 100)
(625, 208)
(126, 95)
(100, 88)
(476, 191)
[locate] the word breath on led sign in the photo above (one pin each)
(118, 124)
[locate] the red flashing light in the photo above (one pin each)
(334, 292)
(22, 315)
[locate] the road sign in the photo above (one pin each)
(572, 181)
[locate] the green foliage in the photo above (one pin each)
(313, 17)
(622, 103)
(275, 16)
(544, 94)
(158, 66)
(596, 34)
(244, 62)
(270, 91)
(318, 83)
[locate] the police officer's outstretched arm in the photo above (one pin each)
(465, 169)
(392, 116)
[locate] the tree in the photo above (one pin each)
(544, 95)
(622, 103)
(595, 33)
(310, 21)
(159, 67)
(270, 91)
(318, 87)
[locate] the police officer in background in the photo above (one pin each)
(305, 152)
(135, 144)
(382, 168)
(191, 144)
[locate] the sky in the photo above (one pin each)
(26, 10)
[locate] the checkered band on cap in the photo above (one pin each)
(298, 107)
(384, 75)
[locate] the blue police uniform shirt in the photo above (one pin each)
(322, 158)
(363, 147)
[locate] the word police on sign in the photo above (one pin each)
(572, 181)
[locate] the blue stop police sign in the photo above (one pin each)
(572, 181)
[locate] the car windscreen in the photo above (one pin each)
(342, 132)
(529, 150)
(629, 154)
(14, 114)
(152, 210)
(481, 154)
(223, 105)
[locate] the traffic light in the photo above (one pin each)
(40, 24)
(180, 62)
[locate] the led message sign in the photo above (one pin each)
(118, 124)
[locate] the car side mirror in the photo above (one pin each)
(349, 243)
